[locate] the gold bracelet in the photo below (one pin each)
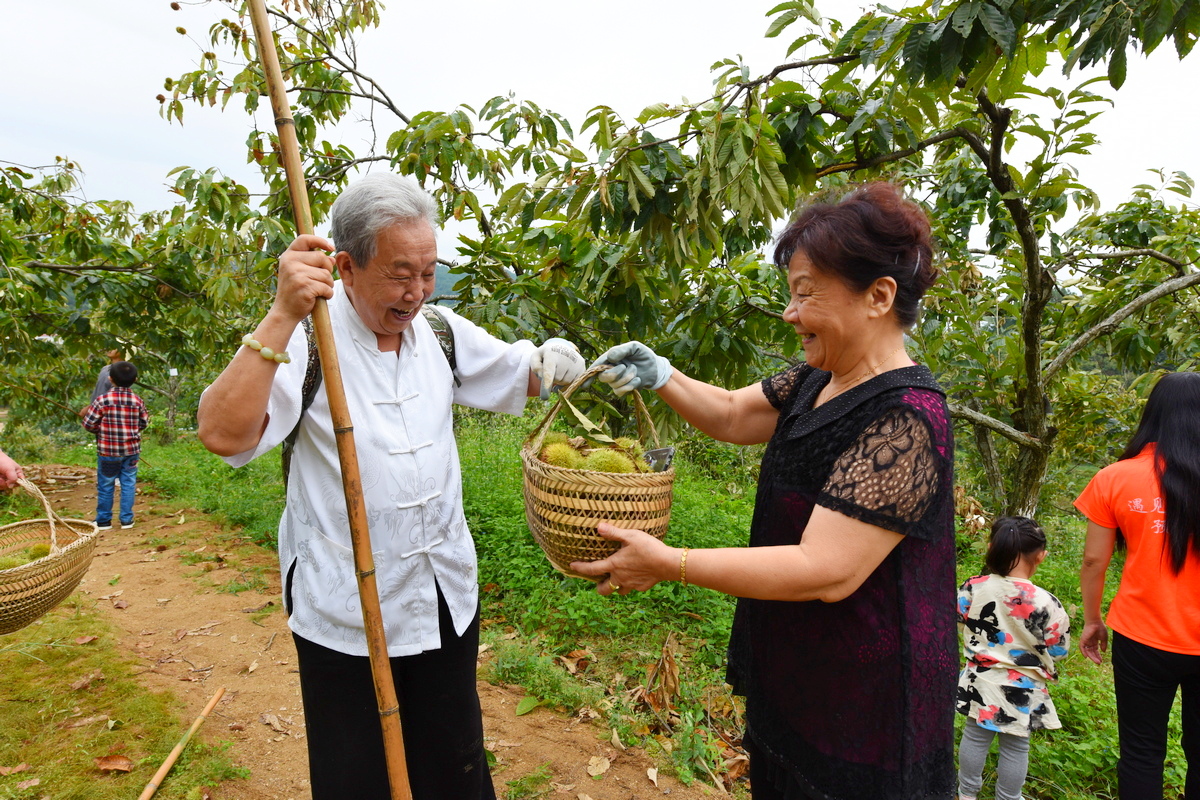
(683, 567)
(270, 355)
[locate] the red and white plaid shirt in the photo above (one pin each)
(117, 418)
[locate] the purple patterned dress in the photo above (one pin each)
(855, 699)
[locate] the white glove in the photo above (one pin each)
(635, 366)
(557, 363)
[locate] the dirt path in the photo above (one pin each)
(166, 586)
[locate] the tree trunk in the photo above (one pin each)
(1028, 478)
(991, 465)
(167, 435)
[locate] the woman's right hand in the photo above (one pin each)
(634, 366)
(305, 273)
(641, 562)
(1094, 640)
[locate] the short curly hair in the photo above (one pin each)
(871, 232)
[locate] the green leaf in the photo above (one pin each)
(999, 27)
(641, 180)
(782, 21)
(851, 37)
(1162, 18)
(594, 431)
(1116, 66)
(526, 704)
(963, 18)
(914, 52)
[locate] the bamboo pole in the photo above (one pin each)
(157, 780)
(360, 537)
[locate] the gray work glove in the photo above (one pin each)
(557, 362)
(635, 366)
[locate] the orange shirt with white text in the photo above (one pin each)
(1153, 605)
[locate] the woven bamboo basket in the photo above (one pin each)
(563, 506)
(30, 590)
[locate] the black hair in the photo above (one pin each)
(871, 233)
(1012, 538)
(1171, 422)
(122, 373)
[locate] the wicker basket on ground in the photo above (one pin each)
(563, 506)
(30, 590)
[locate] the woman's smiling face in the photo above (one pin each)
(828, 316)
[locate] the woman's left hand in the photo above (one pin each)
(641, 562)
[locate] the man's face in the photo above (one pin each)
(389, 291)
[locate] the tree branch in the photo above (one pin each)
(1007, 431)
(74, 269)
(1110, 323)
(766, 311)
(1142, 253)
(959, 132)
(349, 68)
(814, 62)
(1038, 283)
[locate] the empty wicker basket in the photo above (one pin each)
(563, 506)
(30, 590)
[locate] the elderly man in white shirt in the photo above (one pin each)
(400, 389)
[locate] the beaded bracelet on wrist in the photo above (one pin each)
(270, 355)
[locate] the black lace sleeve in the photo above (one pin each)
(780, 387)
(889, 477)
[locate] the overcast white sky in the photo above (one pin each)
(83, 75)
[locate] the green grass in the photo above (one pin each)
(535, 784)
(38, 666)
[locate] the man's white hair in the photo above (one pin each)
(372, 204)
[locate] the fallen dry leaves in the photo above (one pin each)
(11, 770)
(86, 681)
(203, 630)
(577, 661)
(662, 679)
(80, 723)
(114, 763)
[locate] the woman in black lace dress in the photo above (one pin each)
(844, 638)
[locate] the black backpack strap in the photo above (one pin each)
(312, 382)
(445, 337)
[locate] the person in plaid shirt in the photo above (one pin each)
(117, 417)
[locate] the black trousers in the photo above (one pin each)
(439, 713)
(1146, 679)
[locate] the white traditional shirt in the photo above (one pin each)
(411, 482)
(1013, 632)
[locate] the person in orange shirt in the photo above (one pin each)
(1151, 498)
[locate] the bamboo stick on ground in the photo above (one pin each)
(157, 780)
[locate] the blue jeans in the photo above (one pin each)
(108, 469)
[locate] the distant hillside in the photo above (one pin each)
(445, 286)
